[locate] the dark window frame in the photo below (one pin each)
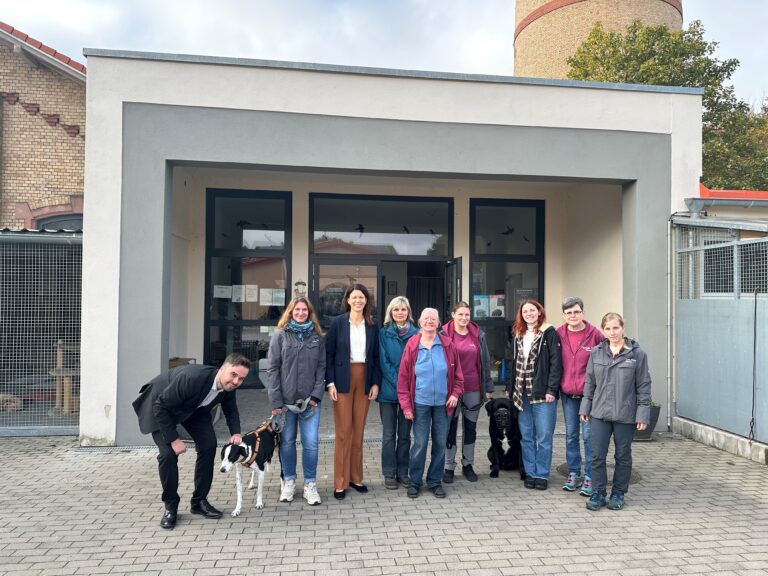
(536, 258)
(315, 260)
(212, 194)
(46, 222)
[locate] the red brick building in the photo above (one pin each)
(42, 134)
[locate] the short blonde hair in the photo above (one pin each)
(398, 302)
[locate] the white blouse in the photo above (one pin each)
(356, 342)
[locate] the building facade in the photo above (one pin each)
(215, 205)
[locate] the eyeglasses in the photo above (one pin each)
(425, 320)
(573, 313)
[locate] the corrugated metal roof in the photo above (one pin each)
(753, 224)
(30, 231)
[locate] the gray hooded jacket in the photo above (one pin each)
(618, 389)
(296, 369)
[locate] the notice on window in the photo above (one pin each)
(481, 308)
(251, 293)
(497, 305)
(523, 294)
(272, 296)
(238, 293)
(220, 291)
(278, 297)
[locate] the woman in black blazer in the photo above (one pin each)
(352, 377)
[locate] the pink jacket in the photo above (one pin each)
(575, 364)
(406, 377)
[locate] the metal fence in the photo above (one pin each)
(40, 287)
(721, 327)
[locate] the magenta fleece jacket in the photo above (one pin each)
(575, 364)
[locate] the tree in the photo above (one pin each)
(735, 139)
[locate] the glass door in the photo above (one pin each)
(330, 281)
(452, 289)
(247, 273)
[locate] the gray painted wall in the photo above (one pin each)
(714, 363)
(155, 136)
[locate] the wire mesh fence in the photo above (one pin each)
(721, 288)
(40, 288)
(720, 263)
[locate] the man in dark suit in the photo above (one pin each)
(185, 395)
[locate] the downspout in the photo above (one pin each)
(670, 347)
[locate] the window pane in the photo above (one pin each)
(498, 288)
(251, 341)
(390, 227)
(247, 288)
(505, 230)
(249, 223)
(64, 222)
(496, 336)
(333, 281)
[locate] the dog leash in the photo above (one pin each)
(299, 407)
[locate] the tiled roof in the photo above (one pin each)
(36, 44)
(705, 192)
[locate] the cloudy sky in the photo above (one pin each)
(472, 36)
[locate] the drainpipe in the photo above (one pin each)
(670, 348)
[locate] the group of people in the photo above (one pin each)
(605, 386)
(427, 379)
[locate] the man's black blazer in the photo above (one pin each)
(173, 396)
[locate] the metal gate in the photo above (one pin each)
(721, 325)
(40, 285)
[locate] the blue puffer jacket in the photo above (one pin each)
(391, 346)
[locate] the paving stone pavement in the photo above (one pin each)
(70, 510)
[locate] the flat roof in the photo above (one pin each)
(385, 72)
(753, 224)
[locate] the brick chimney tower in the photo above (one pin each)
(547, 32)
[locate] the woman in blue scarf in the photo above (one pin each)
(396, 434)
(295, 384)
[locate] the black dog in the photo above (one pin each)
(503, 426)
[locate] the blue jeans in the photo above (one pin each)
(623, 434)
(428, 419)
(572, 446)
(309, 424)
(537, 427)
(395, 440)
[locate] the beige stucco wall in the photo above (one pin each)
(583, 244)
(542, 47)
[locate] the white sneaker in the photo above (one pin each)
(311, 495)
(286, 494)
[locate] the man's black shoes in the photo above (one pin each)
(205, 509)
(168, 521)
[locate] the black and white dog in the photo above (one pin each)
(255, 453)
(503, 427)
